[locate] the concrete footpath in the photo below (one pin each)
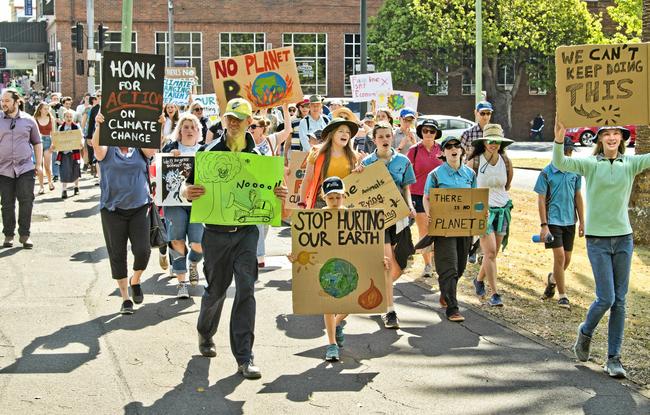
(64, 349)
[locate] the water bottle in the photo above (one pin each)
(537, 238)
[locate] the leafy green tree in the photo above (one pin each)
(417, 39)
(627, 16)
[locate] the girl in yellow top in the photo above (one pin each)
(335, 157)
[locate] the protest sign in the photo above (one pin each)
(238, 188)
(338, 261)
(297, 167)
(178, 85)
(458, 212)
(396, 100)
(67, 140)
(602, 85)
(132, 85)
(374, 188)
(171, 173)
(209, 102)
(368, 86)
(265, 79)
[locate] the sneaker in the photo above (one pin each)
(582, 345)
(495, 301)
(564, 303)
(9, 242)
(456, 317)
(55, 178)
(136, 293)
(549, 291)
(261, 265)
(442, 301)
(194, 274)
(428, 268)
(26, 241)
(182, 291)
(614, 368)
(249, 370)
(340, 336)
(390, 320)
(472, 258)
(479, 287)
(64, 194)
(76, 191)
(332, 353)
(127, 307)
(163, 261)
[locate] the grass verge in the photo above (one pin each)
(530, 163)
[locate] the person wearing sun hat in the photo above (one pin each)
(610, 175)
(335, 157)
(313, 121)
(493, 171)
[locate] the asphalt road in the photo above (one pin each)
(65, 350)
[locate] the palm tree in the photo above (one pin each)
(640, 202)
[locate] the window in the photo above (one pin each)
(458, 125)
(506, 75)
(543, 67)
(113, 44)
(352, 59)
(311, 59)
(439, 85)
(187, 51)
(468, 87)
(235, 44)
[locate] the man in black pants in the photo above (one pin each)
(230, 250)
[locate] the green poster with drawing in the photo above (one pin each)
(238, 189)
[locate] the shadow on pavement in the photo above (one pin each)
(5, 252)
(194, 395)
(90, 257)
(300, 327)
(83, 213)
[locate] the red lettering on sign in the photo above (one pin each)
(225, 68)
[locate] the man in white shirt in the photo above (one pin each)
(315, 120)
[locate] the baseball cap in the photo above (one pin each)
(406, 112)
(333, 184)
(302, 102)
(315, 99)
(238, 108)
(484, 105)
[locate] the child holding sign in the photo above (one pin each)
(69, 162)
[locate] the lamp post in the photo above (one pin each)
(478, 54)
(363, 107)
(90, 21)
(127, 23)
(170, 32)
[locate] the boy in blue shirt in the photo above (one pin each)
(558, 201)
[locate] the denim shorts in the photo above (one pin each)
(492, 227)
(46, 140)
(179, 227)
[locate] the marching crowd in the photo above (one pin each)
(339, 143)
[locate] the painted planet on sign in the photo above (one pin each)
(338, 277)
(269, 87)
(396, 102)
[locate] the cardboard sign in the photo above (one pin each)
(238, 189)
(396, 100)
(602, 85)
(209, 102)
(132, 85)
(178, 85)
(367, 87)
(458, 212)
(375, 188)
(265, 79)
(171, 173)
(67, 140)
(338, 265)
(297, 167)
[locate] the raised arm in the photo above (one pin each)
(100, 151)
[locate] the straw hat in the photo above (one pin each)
(492, 132)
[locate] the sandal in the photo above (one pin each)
(41, 191)
(51, 187)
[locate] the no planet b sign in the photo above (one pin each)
(132, 85)
(265, 79)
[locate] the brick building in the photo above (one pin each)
(325, 36)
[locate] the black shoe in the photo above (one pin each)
(390, 320)
(249, 370)
(136, 293)
(76, 191)
(55, 178)
(26, 241)
(206, 347)
(127, 307)
(64, 195)
(549, 291)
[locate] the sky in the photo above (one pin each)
(4, 10)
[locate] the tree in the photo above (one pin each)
(419, 39)
(627, 15)
(639, 209)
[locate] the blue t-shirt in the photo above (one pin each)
(560, 189)
(123, 181)
(448, 178)
(399, 167)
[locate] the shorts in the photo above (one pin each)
(390, 235)
(417, 203)
(495, 223)
(46, 140)
(563, 236)
(177, 219)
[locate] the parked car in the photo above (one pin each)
(449, 124)
(586, 135)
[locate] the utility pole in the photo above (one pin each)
(90, 22)
(363, 107)
(478, 54)
(127, 22)
(170, 33)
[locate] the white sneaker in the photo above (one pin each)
(428, 269)
(163, 261)
(182, 291)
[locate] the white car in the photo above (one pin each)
(449, 124)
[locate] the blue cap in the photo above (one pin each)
(484, 105)
(333, 184)
(406, 112)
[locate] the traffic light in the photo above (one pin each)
(3, 57)
(78, 37)
(51, 58)
(80, 67)
(102, 35)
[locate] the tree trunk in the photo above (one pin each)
(639, 208)
(499, 97)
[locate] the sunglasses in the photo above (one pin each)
(254, 126)
(493, 142)
(197, 109)
(452, 145)
(484, 113)
(429, 131)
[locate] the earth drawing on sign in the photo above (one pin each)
(268, 89)
(396, 102)
(338, 277)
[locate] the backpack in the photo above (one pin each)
(506, 160)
